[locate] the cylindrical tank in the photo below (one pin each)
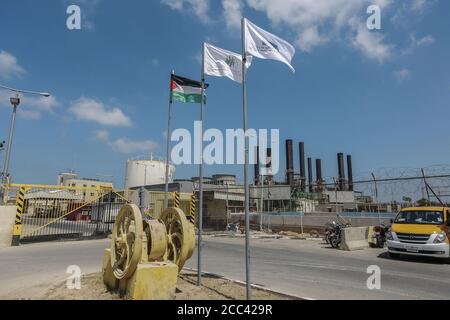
(141, 173)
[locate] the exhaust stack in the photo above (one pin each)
(310, 176)
(289, 163)
(257, 175)
(302, 167)
(341, 169)
(319, 171)
(350, 173)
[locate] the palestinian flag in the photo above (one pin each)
(186, 90)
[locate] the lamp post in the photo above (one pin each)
(15, 101)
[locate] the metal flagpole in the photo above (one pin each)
(200, 207)
(169, 122)
(244, 112)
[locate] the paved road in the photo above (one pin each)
(303, 268)
(313, 270)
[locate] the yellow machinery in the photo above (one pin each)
(146, 255)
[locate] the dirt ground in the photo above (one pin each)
(92, 288)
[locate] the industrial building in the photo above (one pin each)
(304, 190)
(70, 179)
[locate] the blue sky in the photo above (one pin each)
(382, 96)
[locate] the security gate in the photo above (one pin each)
(56, 213)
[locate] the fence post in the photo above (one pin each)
(17, 229)
(192, 209)
(301, 222)
(176, 199)
(141, 199)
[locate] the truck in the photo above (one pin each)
(420, 231)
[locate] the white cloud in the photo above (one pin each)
(309, 39)
(29, 114)
(127, 146)
(401, 75)
(88, 109)
(124, 145)
(417, 43)
(418, 5)
(9, 66)
(317, 22)
(101, 135)
(155, 62)
(371, 43)
(425, 41)
(232, 13)
(199, 7)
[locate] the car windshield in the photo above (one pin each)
(420, 217)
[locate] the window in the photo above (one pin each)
(420, 217)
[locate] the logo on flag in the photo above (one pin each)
(262, 44)
(219, 62)
(231, 61)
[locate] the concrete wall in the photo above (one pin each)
(7, 217)
(310, 222)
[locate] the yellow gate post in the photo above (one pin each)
(17, 229)
(192, 209)
(176, 199)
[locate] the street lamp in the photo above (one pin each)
(15, 101)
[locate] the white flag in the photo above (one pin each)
(262, 44)
(223, 63)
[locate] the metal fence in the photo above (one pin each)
(56, 212)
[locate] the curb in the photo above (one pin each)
(287, 295)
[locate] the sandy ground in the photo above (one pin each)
(213, 288)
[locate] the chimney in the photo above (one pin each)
(269, 165)
(289, 163)
(310, 175)
(341, 169)
(256, 178)
(302, 167)
(350, 172)
(319, 171)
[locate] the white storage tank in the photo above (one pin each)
(146, 173)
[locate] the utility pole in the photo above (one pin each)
(15, 101)
(426, 186)
(335, 195)
(376, 197)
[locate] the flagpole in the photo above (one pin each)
(200, 207)
(246, 191)
(169, 122)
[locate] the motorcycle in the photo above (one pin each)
(333, 232)
(379, 236)
(329, 227)
(336, 235)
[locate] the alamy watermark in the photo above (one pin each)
(374, 20)
(73, 282)
(228, 148)
(73, 21)
(374, 280)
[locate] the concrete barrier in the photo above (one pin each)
(354, 238)
(7, 217)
